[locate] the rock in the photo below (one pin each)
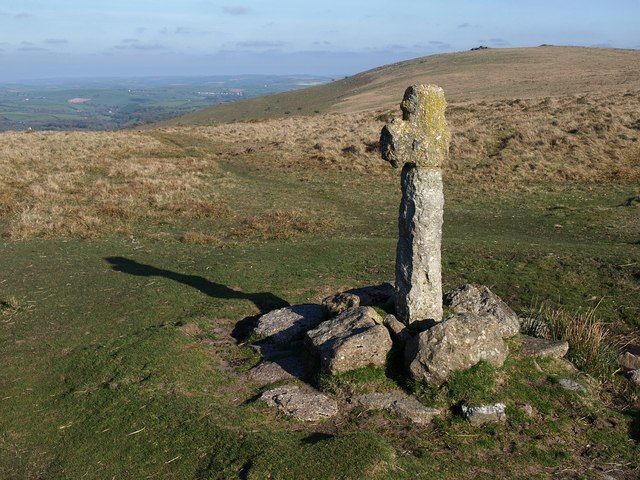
(571, 385)
(338, 303)
(629, 360)
(399, 403)
(485, 413)
(284, 369)
(290, 323)
(635, 377)
(539, 347)
(456, 344)
(375, 295)
(480, 300)
(399, 331)
(356, 338)
(305, 405)
(419, 142)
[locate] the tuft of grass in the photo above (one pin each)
(9, 306)
(475, 385)
(590, 343)
(363, 380)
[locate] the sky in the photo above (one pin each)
(86, 38)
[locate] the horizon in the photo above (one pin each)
(68, 39)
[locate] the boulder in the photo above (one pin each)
(629, 360)
(290, 323)
(480, 414)
(338, 303)
(481, 301)
(457, 344)
(399, 331)
(283, 369)
(306, 405)
(354, 339)
(539, 347)
(399, 403)
(635, 377)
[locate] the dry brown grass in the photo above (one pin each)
(278, 224)
(590, 342)
(88, 184)
(585, 138)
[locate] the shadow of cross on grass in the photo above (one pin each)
(265, 301)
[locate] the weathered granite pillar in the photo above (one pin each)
(420, 143)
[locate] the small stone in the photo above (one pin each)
(571, 385)
(635, 377)
(354, 339)
(480, 414)
(478, 299)
(290, 323)
(399, 403)
(457, 344)
(305, 405)
(399, 331)
(284, 369)
(338, 303)
(527, 409)
(629, 360)
(539, 347)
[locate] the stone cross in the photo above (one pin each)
(420, 144)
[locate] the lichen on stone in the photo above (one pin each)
(422, 136)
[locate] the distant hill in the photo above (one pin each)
(483, 75)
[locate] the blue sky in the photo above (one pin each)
(54, 38)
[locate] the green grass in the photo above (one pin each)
(99, 379)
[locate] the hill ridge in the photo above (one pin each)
(484, 75)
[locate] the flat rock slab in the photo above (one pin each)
(303, 404)
(283, 369)
(571, 385)
(399, 403)
(479, 300)
(356, 338)
(288, 324)
(480, 414)
(539, 347)
(456, 344)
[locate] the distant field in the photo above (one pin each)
(118, 103)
